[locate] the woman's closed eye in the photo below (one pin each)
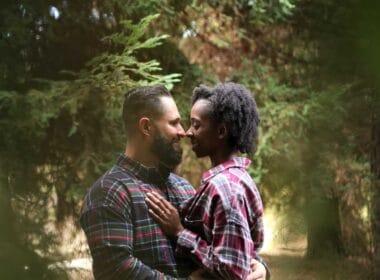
(195, 125)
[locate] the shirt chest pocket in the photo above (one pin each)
(194, 224)
(193, 221)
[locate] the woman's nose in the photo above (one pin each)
(189, 133)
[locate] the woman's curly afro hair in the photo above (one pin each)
(234, 106)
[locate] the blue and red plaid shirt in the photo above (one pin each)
(124, 240)
(223, 221)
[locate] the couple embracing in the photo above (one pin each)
(144, 222)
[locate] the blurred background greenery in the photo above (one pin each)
(314, 67)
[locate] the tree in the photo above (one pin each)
(309, 70)
(68, 142)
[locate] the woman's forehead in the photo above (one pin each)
(202, 106)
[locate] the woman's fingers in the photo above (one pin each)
(157, 204)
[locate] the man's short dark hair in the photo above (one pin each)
(234, 106)
(140, 102)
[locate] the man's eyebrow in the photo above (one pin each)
(177, 119)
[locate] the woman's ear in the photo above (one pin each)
(145, 126)
(222, 131)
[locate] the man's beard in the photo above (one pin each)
(166, 152)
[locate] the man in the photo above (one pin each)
(125, 242)
(221, 227)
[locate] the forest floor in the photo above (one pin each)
(289, 263)
(285, 263)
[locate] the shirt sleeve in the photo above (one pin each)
(228, 254)
(258, 230)
(109, 233)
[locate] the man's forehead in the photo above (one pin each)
(169, 108)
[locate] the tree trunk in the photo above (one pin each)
(17, 261)
(6, 214)
(324, 237)
(375, 166)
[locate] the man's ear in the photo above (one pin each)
(145, 126)
(222, 131)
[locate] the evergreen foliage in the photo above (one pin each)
(59, 135)
(313, 66)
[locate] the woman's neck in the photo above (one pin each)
(221, 157)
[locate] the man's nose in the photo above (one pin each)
(181, 132)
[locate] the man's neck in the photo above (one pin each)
(140, 154)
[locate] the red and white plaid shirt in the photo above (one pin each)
(223, 221)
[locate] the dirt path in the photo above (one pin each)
(290, 264)
(287, 263)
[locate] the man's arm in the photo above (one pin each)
(109, 234)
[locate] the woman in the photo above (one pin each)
(221, 227)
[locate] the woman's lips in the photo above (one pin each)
(193, 145)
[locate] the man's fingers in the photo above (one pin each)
(258, 271)
(256, 275)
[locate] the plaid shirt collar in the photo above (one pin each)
(239, 162)
(149, 174)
